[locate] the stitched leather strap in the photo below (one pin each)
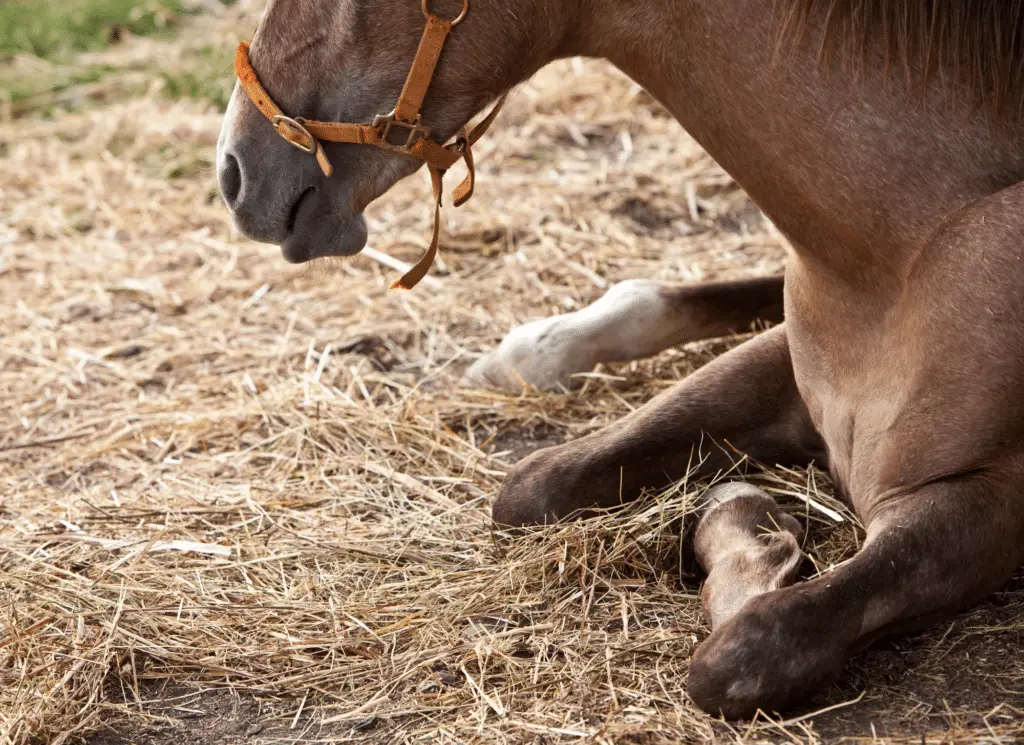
(307, 135)
(423, 66)
(430, 152)
(356, 134)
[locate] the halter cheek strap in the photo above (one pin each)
(401, 131)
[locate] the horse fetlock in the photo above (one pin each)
(543, 354)
(631, 320)
(748, 546)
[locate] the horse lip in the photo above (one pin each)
(293, 215)
(313, 243)
(296, 251)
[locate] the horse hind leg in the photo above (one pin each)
(747, 546)
(928, 553)
(633, 320)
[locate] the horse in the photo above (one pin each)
(881, 137)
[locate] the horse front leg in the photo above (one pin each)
(745, 401)
(635, 319)
(747, 545)
(928, 553)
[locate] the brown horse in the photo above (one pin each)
(883, 138)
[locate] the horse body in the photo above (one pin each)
(901, 359)
(892, 295)
(849, 169)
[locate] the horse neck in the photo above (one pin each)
(854, 173)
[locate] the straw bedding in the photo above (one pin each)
(241, 501)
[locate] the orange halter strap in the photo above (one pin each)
(401, 131)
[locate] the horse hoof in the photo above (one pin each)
(747, 545)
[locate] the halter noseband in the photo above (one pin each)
(401, 131)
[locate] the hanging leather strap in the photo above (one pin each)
(412, 277)
(399, 132)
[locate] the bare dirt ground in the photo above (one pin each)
(244, 502)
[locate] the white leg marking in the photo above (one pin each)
(631, 321)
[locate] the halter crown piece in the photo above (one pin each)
(401, 131)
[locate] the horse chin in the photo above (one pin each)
(322, 236)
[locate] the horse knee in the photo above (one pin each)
(540, 489)
(780, 649)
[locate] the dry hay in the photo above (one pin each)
(231, 486)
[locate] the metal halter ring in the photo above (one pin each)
(458, 19)
(295, 125)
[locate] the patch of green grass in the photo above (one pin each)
(209, 75)
(41, 40)
(56, 29)
(188, 166)
(20, 86)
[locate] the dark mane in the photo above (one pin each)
(977, 45)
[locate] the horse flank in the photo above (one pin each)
(977, 44)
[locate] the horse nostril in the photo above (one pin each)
(230, 180)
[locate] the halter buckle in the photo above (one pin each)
(387, 126)
(455, 21)
(292, 130)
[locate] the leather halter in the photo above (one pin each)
(401, 131)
